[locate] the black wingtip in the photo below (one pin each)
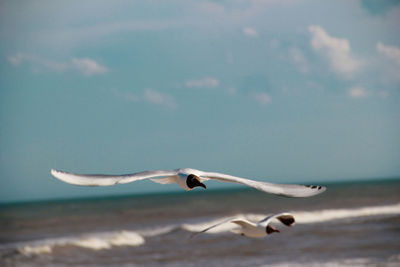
(317, 187)
(287, 220)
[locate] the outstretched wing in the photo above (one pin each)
(105, 180)
(288, 190)
(215, 225)
(285, 218)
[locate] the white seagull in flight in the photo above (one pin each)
(259, 229)
(187, 179)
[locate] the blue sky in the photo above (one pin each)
(283, 91)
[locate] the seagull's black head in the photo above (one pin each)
(193, 181)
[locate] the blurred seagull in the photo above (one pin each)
(187, 179)
(256, 230)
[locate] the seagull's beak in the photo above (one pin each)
(270, 229)
(198, 183)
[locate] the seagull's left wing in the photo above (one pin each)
(243, 223)
(288, 190)
(105, 180)
(232, 219)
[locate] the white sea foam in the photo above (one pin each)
(32, 249)
(94, 241)
(303, 217)
(107, 240)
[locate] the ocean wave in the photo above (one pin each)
(155, 231)
(94, 241)
(303, 217)
(107, 240)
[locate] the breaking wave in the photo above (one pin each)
(107, 240)
(337, 214)
(94, 241)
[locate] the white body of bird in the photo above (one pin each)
(249, 229)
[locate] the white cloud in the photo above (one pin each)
(88, 66)
(207, 82)
(251, 32)
(337, 49)
(357, 92)
(391, 52)
(85, 66)
(158, 98)
(298, 58)
(262, 98)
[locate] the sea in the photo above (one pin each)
(351, 224)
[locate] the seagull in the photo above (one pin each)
(259, 229)
(188, 179)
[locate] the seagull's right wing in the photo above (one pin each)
(288, 190)
(105, 180)
(285, 218)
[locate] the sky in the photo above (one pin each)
(288, 91)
